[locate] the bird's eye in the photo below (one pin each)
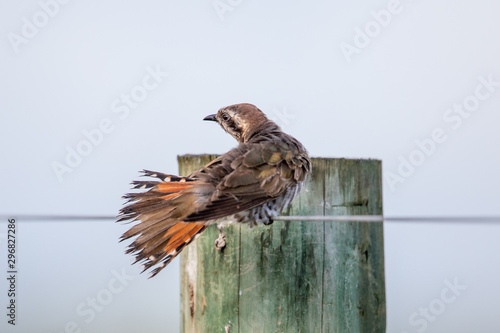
(226, 117)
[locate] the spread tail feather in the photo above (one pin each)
(161, 233)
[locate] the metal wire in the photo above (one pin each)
(380, 218)
(339, 218)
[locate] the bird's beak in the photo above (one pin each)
(210, 117)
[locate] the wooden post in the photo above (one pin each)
(293, 276)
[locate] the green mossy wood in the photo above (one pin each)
(293, 276)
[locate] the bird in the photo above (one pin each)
(251, 183)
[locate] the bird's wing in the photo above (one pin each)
(251, 175)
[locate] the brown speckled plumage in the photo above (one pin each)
(251, 183)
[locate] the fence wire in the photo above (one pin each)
(336, 218)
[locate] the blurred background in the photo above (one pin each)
(92, 92)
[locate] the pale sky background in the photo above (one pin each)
(69, 75)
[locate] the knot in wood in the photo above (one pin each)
(220, 242)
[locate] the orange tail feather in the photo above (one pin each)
(161, 232)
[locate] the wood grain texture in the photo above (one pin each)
(293, 276)
(209, 277)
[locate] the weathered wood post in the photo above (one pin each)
(293, 276)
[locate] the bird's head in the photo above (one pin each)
(240, 120)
